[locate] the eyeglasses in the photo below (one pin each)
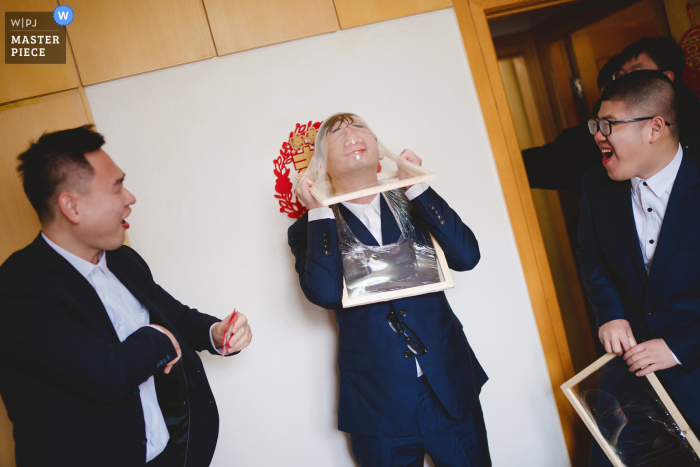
(414, 345)
(605, 126)
(621, 72)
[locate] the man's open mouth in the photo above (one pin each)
(607, 154)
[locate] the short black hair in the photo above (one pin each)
(49, 163)
(664, 52)
(646, 91)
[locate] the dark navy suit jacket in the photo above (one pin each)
(71, 387)
(666, 303)
(378, 384)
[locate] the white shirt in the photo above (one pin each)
(370, 216)
(127, 315)
(649, 203)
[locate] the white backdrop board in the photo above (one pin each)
(197, 144)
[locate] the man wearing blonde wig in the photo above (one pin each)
(409, 381)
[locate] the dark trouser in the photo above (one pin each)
(449, 442)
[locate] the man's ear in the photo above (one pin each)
(658, 129)
(670, 74)
(68, 205)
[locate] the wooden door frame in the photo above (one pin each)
(472, 16)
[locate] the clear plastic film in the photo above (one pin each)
(350, 161)
(409, 262)
(632, 418)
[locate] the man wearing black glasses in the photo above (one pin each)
(639, 237)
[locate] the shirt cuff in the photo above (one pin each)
(316, 214)
(211, 339)
(676, 358)
(416, 190)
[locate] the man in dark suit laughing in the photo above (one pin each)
(98, 363)
(639, 238)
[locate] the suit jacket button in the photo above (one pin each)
(438, 217)
(431, 207)
(144, 441)
(407, 353)
(327, 240)
(328, 253)
(650, 311)
(402, 313)
(442, 221)
(326, 234)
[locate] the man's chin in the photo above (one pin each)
(615, 175)
(116, 242)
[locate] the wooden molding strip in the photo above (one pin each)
(478, 44)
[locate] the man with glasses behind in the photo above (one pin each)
(409, 381)
(639, 237)
(662, 53)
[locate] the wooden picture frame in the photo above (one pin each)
(444, 284)
(569, 390)
(386, 181)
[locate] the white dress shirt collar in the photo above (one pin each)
(662, 180)
(359, 209)
(84, 267)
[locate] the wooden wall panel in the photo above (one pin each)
(18, 127)
(353, 13)
(23, 81)
(7, 442)
(246, 24)
(116, 39)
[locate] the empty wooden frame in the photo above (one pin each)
(444, 284)
(386, 181)
(570, 388)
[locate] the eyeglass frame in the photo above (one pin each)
(614, 122)
(392, 316)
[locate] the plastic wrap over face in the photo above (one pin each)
(632, 418)
(349, 157)
(409, 262)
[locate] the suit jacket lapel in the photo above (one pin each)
(390, 228)
(84, 291)
(681, 206)
(156, 317)
(357, 227)
(621, 200)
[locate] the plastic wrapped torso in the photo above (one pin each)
(408, 262)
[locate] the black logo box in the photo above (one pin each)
(33, 37)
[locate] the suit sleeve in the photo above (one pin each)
(318, 260)
(600, 288)
(40, 337)
(456, 239)
(685, 345)
(560, 165)
(191, 324)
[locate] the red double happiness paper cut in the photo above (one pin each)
(295, 152)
